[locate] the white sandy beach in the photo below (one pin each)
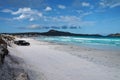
(48, 61)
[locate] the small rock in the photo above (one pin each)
(22, 76)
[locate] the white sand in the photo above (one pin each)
(51, 64)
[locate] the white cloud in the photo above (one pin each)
(104, 4)
(34, 26)
(22, 16)
(22, 10)
(69, 21)
(48, 8)
(74, 20)
(31, 19)
(83, 13)
(24, 13)
(109, 3)
(115, 5)
(85, 4)
(61, 6)
(7, 11)
(87, 13)
(27, 11)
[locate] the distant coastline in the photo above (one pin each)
(60, 33)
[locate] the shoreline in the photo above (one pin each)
(51, 61)
(88, 52)
(91, 46)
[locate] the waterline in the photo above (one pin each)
(84, 41)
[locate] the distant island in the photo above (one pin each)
(59, 33)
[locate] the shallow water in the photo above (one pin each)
(95, 42)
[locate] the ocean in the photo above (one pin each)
(91, 41)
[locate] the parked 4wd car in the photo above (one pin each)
(22, 43)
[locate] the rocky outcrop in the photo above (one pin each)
(10, 68)
(3, 50)
(4, 42)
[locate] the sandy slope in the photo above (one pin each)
(51, 64)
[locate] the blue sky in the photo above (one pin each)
(78, 16)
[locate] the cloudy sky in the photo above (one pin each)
(78, 16)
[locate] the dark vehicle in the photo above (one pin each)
(22, 43)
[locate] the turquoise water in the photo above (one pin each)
(91, 41)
